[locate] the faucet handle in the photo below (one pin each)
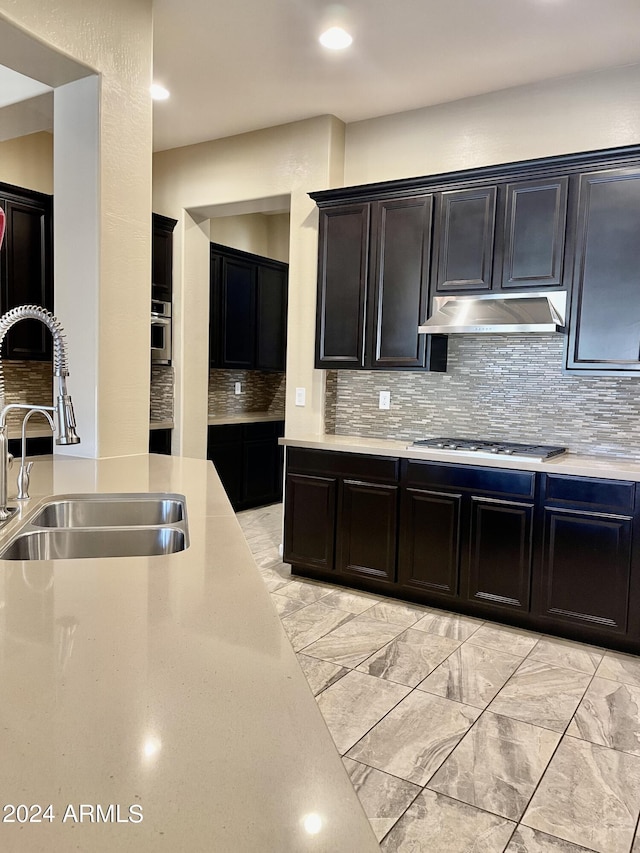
(10, 459)
(23, 481)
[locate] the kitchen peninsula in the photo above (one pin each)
(165, 683)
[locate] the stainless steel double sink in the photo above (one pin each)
(71, 527)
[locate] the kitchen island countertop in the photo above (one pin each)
(165, 683)
(574, 464)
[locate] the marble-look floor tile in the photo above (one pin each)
(437, 824)
(542, 694)
(414, 739)
(320, 673)
(566, 653)
(274, 581)
(472, 674)
(350, 601)
(589, 795)
(527, 840)
(354, 704)
(497, 765)
(285, 605)
(450, 625)
(515, 641)
(312, 622)
(620, 667)
(354, 641)
(410, 657)
(397, 612)
(305, 591)
(384, 798)
(609, 714)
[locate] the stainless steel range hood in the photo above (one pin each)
(510, 312)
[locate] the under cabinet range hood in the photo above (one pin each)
(489, 313)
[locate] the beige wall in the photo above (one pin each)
(102, 193)
(581, 113)
(28, 162)
(260, 233)
(288, 161)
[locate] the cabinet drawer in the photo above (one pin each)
(497, 481)
(352, 465)
(263, 429)
(589, 492)
(224, 433)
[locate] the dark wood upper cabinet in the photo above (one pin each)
(238, 310)
(605, 314)
(398, 303)
(162, 257)
(373, 278)
(463, 240)
(26, 269)
(343, 263)
(535, 220)
(271, 317)
(247, 310)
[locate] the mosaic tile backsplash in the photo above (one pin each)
(161, 396)
(27, 382)
(496, 387)
(261, 392)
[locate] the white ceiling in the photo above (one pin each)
(16, 87)
(237, 66)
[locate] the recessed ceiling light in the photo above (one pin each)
(335, 38)
(158, 92)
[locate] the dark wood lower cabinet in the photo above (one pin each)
(500, 552)
(248, 461)
(554, 553)
(366, 537)
(341, 517)
(310, 522)
(429, 553)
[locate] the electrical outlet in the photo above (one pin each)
(237, 387)
(301, 395)
(385, 400)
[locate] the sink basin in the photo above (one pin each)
(111, 510)
(70, 544)
(75, 527)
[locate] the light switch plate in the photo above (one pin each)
(301, 395)
(385, 400)
(237, 387)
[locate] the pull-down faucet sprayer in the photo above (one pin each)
(65, 418)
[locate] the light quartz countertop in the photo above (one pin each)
(575, 464)
(245, 418)
(165, 424)
(163, 682)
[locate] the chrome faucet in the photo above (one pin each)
(65, 418)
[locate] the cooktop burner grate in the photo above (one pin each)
(490, 448)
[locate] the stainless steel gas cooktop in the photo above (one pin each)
(535, 452)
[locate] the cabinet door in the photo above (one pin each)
(342, 286)
(430, 542)
(271, 322)
(224, 449)
(534, 233)
(260, 466)
(27, 274)
(310, 521)
(605, 316)
(398, 301)
(162, 257)
(500, 552)
(586, 567)
(366, 536)
(237, 297)
(463, 240)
